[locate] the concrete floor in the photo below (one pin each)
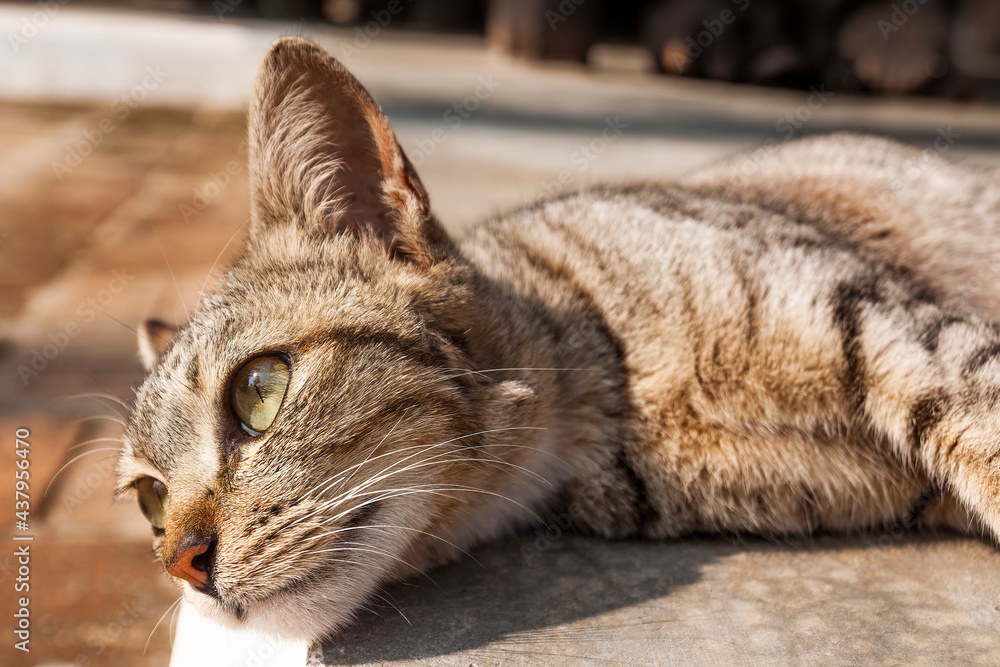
(829, 601)
(97, 594)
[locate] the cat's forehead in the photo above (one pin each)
(313, 317)
(231, 330)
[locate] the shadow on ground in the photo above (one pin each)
(512, 588)
(739, 601)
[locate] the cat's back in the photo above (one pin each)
(642, 252)
(643, 262)
(646, 257)
(638, 233)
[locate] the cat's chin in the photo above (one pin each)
(285, 614)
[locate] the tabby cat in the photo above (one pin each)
(799, 339)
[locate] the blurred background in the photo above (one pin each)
(949, 48)
(123, 190)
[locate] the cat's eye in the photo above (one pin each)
(257, 391)
(153, 500)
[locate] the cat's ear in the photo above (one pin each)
(154, 337)
(323, 156)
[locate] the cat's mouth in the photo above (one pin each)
(226, 607)
(234, 609)
(238, 610)
(268, 613)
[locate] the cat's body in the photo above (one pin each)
(796, 349)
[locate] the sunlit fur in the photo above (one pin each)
(795, 340)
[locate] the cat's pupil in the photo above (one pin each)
(255, 383)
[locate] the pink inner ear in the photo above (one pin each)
(356, 186)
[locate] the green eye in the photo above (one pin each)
(152, 500)
(257, 391)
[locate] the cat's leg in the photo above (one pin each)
(700, 477)
(918, 411)
(929, 382)
(832, 393)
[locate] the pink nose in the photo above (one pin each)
(187, 566)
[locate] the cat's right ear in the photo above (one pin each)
(323, 157)
(154, 337)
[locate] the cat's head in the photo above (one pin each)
(315, 426)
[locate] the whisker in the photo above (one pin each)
(331, 481)
(102, 394)
(384, 595)
(398, 421)
(172, 629)
(74, 460)
(344, 547)
(484, 371)
(137, 333)
(109, 418)
(140, 334)
(377, 552)
(208, 275)
(423, 449)
(360, 492)
(387, 472)
(96, 395)
(96, 398)
(92, 441)
(336, 532)
(437, 460)
(170, 270)
(171, 607)
(437, 489)
(493, 460)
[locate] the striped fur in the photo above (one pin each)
(806, 344)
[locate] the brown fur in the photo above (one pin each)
(802, 348)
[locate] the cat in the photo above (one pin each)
(794, 340)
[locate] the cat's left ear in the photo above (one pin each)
(323, 156)
(154, 337)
